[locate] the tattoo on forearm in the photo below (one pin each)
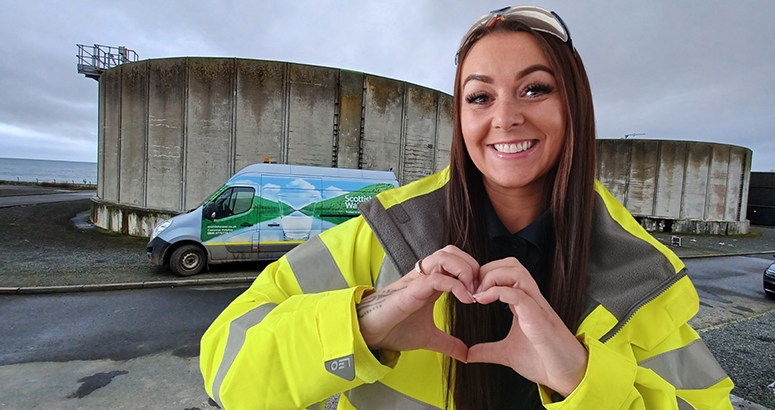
(374, 301)
(362, 313)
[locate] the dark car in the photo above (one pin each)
(769, 280)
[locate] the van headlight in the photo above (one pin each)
(161, 227)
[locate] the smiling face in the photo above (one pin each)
(511, 114)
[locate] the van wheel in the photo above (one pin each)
(188, 260)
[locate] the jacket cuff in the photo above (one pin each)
(340, 336)
(609, 378)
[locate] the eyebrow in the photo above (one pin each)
(487, 79)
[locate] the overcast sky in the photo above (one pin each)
(679, 70)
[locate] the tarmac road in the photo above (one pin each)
(730, 288)
(100, 350)
(120, 325)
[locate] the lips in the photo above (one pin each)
(513, 148)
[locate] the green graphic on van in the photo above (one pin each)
(270, 209)
(285, 209)
(345, 206)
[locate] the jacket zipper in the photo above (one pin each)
(643, 302)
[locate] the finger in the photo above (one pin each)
(463, 255)
(500, 263)
(504, 273)
(426, 287)
(454, 263)
(459, 269)
(448, 345)
(522, 305)
(510, 272)
(505, 294)
(493, 352)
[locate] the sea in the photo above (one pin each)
(39, 170)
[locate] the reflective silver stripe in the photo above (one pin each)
(691, 367)
(387, 274)
(315, 268)
(377, 396)
(237, 331)
(684, 405)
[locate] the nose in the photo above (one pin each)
(507, 114)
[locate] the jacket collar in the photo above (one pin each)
(626, 264)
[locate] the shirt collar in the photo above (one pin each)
(540, 232)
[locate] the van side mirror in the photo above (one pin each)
(208, 212)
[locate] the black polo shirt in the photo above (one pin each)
(533, 246)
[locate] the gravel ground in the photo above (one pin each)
(42, 247)
(759, 239)
(746, 350)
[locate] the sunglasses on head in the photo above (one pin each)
(537, 18)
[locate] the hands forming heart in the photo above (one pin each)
(539, 346)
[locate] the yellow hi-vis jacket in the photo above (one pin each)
(292, 339)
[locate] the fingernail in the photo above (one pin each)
(477, 295)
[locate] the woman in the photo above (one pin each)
(550, 293)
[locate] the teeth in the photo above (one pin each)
(513, 148)
(507, 148)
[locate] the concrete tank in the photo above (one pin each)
(172, 131)
(678, 186)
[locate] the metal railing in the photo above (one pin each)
(93, 60)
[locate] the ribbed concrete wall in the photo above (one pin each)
(174, 130)
(681, 186)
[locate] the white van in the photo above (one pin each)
(261, 213)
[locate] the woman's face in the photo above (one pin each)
(511, 111)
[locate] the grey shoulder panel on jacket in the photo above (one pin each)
(623, 269)
(623, 272)
(409, 230)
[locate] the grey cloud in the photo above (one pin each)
(693, 70)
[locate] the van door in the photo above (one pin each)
(228, 231)
(287, 213)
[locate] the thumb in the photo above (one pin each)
(493, 352)
(446, 344)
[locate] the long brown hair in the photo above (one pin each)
(569, 191)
